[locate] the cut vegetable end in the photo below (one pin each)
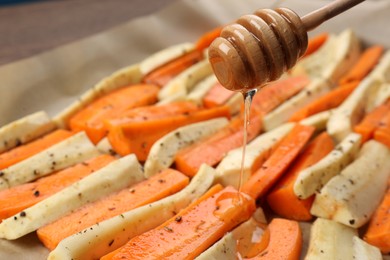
(285, 240)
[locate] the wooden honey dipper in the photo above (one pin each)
(260, 47)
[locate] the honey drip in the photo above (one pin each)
(248, 97)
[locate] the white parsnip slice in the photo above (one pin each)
(24, 130)
(352, 196)
(104, 146)
(315, 89)
(71, 151)
(350, 112)
(162, 154)
(121, 78)
(234, 103)
(182, 84)
(166, 55)
(106, 236)
(228, 170)
(330, 240)
(382, 69)
(201, 89)
(379, 97)
(319, 120)
(333, 59)
(113, 177)
(313, 178)
(364, 251)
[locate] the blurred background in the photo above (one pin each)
(25, 30)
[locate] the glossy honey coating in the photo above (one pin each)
(258, 48)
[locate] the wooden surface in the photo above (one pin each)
(29, 29)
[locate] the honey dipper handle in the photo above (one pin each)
(317, 17)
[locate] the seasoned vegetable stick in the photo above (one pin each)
(27, 150)
(71, 151)
(313, 178)
(104, 237)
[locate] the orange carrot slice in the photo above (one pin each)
(27, 150)
(193, 230)
(372, 121)
(166, 72)
(274, 94)
(20, 197)
(364, 65)
(382, 132)
(315, 43)
(378, 232)
(148, 113)
(206, 39)
(285, 240)
(212, 149)
(91, 119)
(159, 186)
(217, 96)
(138, 136)
(282, 198)
(328, 101)
(263, 179)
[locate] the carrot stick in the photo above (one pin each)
(213, 190)
(328, 101)
(378, 232)
(193, 230)
(372, 121)
(91, 119)
(282, 198)
(315, 43)
(382, 135)
(263, 179)
(382, 132)
(285, 240)
(364, 65)
(166, 72)
(27, 150)
(148, 113)
(274, 94)
(206, 39)
(138, 136)
(212, 149)
(217, 96)
(159, 186)
(20, 197)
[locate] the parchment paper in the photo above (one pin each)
(54, 79)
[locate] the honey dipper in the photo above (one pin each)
(260, 47)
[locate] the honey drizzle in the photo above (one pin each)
(248, 97)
